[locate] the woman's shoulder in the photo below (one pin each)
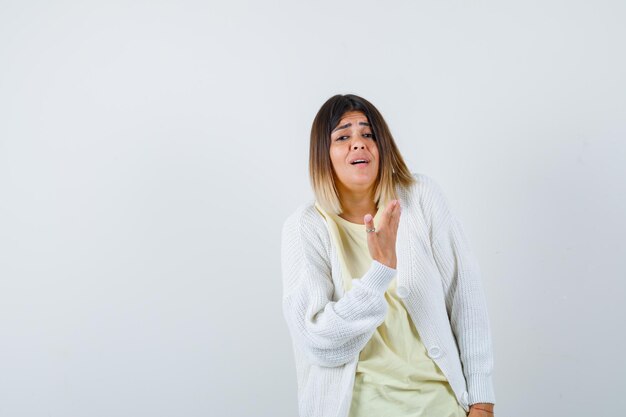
(305, 218)
(427, 193)
(424, 185)
(306, 228)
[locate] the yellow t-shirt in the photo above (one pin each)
(394, 376)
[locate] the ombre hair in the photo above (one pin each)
(392, 170)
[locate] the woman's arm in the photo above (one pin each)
(481, 410)
(465, 300)
(331, 333)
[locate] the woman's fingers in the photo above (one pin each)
(382, 240)
(396, 215)
(392, 214)
(369, 221)
(371, 233)
(385, 218)
(389, 218)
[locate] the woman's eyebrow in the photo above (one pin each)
(348, 125)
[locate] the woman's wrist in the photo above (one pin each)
(486, 407)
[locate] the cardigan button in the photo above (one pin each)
(402, 291)
(434, 352)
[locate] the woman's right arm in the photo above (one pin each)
(330, 333)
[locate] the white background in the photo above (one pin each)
(150, 151)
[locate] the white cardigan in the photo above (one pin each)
(438, 278)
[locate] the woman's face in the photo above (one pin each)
(352, 140)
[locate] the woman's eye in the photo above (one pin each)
(367, 135)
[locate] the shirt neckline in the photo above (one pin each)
(358, 226)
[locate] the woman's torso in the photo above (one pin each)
(394, 374)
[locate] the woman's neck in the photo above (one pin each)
(356, 205)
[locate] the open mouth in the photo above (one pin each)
(360, 161)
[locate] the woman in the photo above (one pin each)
(381, 291)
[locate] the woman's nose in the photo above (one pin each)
(358, 143)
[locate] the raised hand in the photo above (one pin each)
(382, 242)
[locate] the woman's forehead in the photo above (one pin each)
(352, 115)
(351, 118)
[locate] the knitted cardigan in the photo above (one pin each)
(438, 278)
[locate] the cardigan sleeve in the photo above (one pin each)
(330, 333)
(465, 299)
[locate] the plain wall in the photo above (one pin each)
(150, 152)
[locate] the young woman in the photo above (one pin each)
(381, 291)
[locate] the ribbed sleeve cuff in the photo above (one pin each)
(378, 277)
(480, 389)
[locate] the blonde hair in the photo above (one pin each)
(392, 170)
